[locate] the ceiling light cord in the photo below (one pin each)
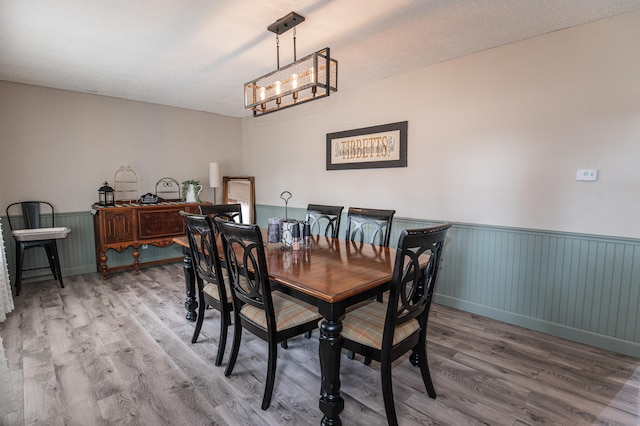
(295, 56)
(278, 50)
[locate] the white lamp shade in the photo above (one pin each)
(214, 175)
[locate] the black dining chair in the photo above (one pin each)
(213, 287)
(324, 220)
(386, 331)
(369, 225)
(269, 314)
(36, 229)
(231, 212)
(372, 226)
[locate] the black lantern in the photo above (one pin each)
(106, 196)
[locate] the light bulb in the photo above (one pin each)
(278, 87)
(312, 78)
(294, 81)
(263, 93)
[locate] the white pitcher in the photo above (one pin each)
(193, 193)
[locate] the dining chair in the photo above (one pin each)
(269, 314)
(231, 212)
(213, 287)
(37, 229)
(372, 226)
(386, 331)
(369, 225)
(324, 220)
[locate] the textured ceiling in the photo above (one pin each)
(198, 54)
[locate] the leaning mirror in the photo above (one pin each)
(240, 189)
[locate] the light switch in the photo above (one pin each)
(587, 174)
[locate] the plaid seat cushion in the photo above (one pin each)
(212, 289)
(365, 325)
(289, 312)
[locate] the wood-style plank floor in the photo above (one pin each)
(119, 353)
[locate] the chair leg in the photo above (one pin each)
(271, 375)
(19, 264)
(222, 342)
(307, 335)
(424, 369)
(237, 334)
(387, 391)
(352, 355)
(56, 262)
(51, 258)
(201, 308)
(284, 344)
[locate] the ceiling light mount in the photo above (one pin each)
(312, 77)
(285, 23)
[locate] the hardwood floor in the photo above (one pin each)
(119, 352)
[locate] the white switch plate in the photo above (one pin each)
(587, 174)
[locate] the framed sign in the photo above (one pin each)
(368, 148)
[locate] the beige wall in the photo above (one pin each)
(494, 138)
(60, 146)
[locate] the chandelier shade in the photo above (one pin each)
(312, 77)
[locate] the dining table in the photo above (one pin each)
(332, 274)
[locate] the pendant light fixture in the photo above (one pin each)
(312, 77)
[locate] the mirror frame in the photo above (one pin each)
(252, 197)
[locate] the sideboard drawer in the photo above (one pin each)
(160, 223)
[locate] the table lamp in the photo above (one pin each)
(214, 178)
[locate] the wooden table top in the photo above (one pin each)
(331, 270)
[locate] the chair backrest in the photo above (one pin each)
(247, 267)
(372, 224)
(35, 214)
(412, 286)
(232, 212)
(324, 220)
(204, 250)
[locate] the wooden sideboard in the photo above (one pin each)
(132, 225)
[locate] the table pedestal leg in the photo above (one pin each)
(331, 403)
(190, 303)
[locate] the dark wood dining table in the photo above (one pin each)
(333, 274)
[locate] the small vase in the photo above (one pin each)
(193, 193)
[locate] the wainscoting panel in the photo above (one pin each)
(581, 287)
(77, 251)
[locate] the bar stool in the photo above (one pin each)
(32, 234)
